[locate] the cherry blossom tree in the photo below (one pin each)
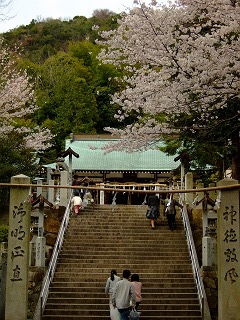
(17, 104)
(181, 63)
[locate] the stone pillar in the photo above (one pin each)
(212, 194)
(41, 219)
(204, 221)
(3, 284)
(63, 191)
(200, 185)
(18, 250)
(32, 252)
(207, 247)
(40, 251)
(51, 192)
(189, 185)
(39, 187)
(182, 174)
(70, 168)
(228, 253)
(49, 170)
(101, 194)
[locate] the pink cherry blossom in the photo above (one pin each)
(17, 103)
(170, 54)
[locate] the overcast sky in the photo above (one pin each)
(23, 11)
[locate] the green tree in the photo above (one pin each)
(65, 97)
(14, 159)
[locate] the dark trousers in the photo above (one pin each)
(171, 221)
(124, 313)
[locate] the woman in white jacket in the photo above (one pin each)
(109, 288)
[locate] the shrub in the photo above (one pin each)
(3, 233)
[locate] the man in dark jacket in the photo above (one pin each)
(170, 211)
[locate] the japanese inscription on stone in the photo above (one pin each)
(18, 233)
(231, 241)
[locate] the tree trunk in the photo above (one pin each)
(236, 155)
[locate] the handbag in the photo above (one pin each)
(134, 315)
(114, 314)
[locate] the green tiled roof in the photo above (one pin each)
(93, 158)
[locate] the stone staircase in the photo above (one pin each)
(120, 237)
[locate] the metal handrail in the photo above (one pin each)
(53, 262)
(195, 264)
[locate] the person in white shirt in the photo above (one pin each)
(122, 295)
(109, 288)
(77, 203)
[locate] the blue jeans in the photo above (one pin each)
(124, 313)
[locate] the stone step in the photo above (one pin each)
(143, 317)
(117, 221)
(180, 268)
(99, 297)
(160, 230)
(111, 222)
(121, 259)
(123, 246)
(163, 310)
(148, 290)
(163, 283)
(111, 250)
(95, 302)
(84, 274)
(117, 237)
(112, 255)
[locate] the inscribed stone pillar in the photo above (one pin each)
(228, 253)
(40, 251)
(189, 185)
(18, 250)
